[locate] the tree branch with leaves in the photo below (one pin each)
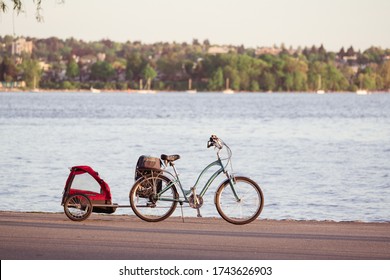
(18, 7)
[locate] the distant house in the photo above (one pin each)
(350, 58)
(101, 56)
(88, 59)
(218, 50)
(268, 50)
(44, 66)
(21, 45)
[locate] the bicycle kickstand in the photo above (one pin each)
(182, 215)
(199, 215)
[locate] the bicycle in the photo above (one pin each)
(238, 199)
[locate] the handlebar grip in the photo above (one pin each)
(215, 141)
(210, 142)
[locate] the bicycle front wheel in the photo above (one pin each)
(241, 202)
(153, 198)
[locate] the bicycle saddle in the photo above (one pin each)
(170, 158)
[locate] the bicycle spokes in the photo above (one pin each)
(241, 202)
(153, 198)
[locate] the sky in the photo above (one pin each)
(252, 23)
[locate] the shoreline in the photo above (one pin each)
(28, 235)
(135, 91)
(192, 217)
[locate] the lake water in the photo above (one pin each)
(316, 157)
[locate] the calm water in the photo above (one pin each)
(316, 157)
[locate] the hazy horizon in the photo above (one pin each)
(295, 23)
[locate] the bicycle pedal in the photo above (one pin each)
(199, 215)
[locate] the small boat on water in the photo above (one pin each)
(361, 92)
(228, 90)
(35, 89)
(95, 90)
(319, 86)
(147, 89)
(190, 90)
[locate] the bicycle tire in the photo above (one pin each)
(78, 207)
(149, 205)
(244, 210)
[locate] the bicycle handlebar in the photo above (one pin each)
(219, 144)
(215, 141)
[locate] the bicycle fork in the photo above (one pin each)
(232, 182)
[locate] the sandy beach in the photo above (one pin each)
(51, 236)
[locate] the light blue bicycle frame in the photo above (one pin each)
(176, 182)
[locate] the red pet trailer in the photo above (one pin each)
(85, 192)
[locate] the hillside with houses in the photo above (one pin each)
(71, 64)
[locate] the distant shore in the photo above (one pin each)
(54, 236)
(134, 91)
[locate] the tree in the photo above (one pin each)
(372, 55)
(322, 54)
(102, 71)
(31, 72)
(289, 82)
(189, 68)
(135, 64)
(72, 69)
(295, 74)
(216, 82)
(170, 66)
(149, 74)
(8, 70)
(255, 86)
(369, 78)
(195, 42)
(268, 82)
(384, 72)
(67, 85)
(335, 80)
(350, 51)
(126, 63)
(232, 74)
(341, 53)
(317, 76)
(206, 42)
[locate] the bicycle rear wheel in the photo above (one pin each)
(240, 204)
(153, 198)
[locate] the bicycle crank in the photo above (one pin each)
(197, 202)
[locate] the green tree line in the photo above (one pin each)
(74, 64)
